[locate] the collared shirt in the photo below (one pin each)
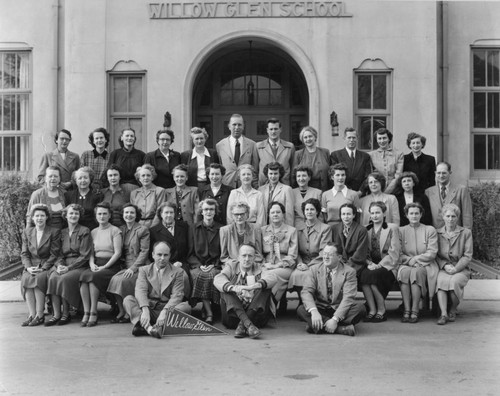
(343, 191)
(200, 159)
(275, 144)
(167, 155)
(232, 144)
(351, 152)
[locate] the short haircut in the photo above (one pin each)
(42, 207)
(302, 168)
(138, 212)
(59, 132)
(240, 204)
(350, 129)
(53, 168)
(114, 167)
(414, 135)
(448, 165)
(84, 169)
(74, 206)
(273, 121)
(197, 130)
(353, 208)
(215, 165)
(104, 205)
(337, 167)
(308, 129)
(101, 130)
(148, 167)
(180, 167)
(383, 131)
(365, 188)
(169, 132)
(274, 166)
(245, 166)
(379, 204)
(314, 202)
(210, 202)
(274, 203)
(164, 205)
(120, 142)
(160, 243)
(450, 207)
(414, 205)
(408, 174)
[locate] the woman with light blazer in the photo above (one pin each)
(135, 253)
(383, 258)
(418, 269)
(39, 252)
(184, 197)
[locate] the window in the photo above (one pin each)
(372, 100)
(486, 109)
(127, 104)
(15, 106)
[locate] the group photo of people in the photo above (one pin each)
(227, 234)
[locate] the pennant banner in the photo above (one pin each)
(180, 323)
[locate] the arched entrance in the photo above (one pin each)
(258, 81)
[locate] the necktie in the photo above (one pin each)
(329, 286)
(274, 147)
(237, 152)
(352, 155)
(443, 192)
(346, 231)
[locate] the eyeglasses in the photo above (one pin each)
(239, 214)
(164, 140)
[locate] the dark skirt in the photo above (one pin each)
(66, 285)
(203, 285)
(29, 281)
(101, 278)
(380, 277)
(123, 286)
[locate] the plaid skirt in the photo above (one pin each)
(203, 285)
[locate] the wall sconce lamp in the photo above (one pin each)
(334, 123)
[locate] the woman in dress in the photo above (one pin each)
(205, 258)
(383, 258)
(184, 197)
(302, 176)
(372, 191)
(148, 197)
(423, 165)
(135, 253)
(313, 236)
(418, 269)
(39, 252)
(115, 195)
(313, 157)
(216, 190)
(246, 193)
(76, 248)
(339, 195)
(164, 159)
(407, 192)
(280, 250)
(84, 196)
(453, 258)
(52, 195)
(104, 263)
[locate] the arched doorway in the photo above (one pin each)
(258, 81)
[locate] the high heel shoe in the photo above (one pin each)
(85, 319)
(92, 323)
(27, 321)
(37, 321)
(209, 319)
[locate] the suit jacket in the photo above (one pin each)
(178, 242)
(229, 242)
(204, 247)
(189, 202)
(389, 244)
(284, 156)
(424, 167)
(283, 194)
(163, 167)
(354, 248)
(192, 165)
(75, 250)
(312, 243)
(248, 155)
(457, 194)
(357, 170)
(138, 246)
(315, 291)
(222, 198)
(46, 253)
(148, 290)
(67, 166)
(422, 199)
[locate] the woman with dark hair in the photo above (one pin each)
(164, 159)
(51, 195)
(372, 191)
(339, 195)
(275, 191)
(383, 257)
(313, 157)
(128, 158)
(423, 165)
(386, 159)
(184, 197)
(280, 249)
(115, 195)
(84, 196)
(104, 263)
(199, 158)
(205, 257)
(149, 197)
(39, 252)
(216, 190)
(351, 238)
(135, 253)
(407, 192)
(76, 248)
(418, 270)
(302, 175)
(97, 159)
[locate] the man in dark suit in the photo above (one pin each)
(359, 163)
(329, 297)
(159, 288)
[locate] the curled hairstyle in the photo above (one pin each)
(450, 207)
(414, 205)
(245, 166)
(101, 130)
(114, 167)
(63, 131)
(197, 130)
(169, 132)
(42, 207)
(414, 135)
(77, 207)
(165, 205)
(148, 167)
(378, 204)
(274, 203)
(209, 202)
(240, 204)
(365, 188)
(274, 166)
(337, 167)
(120, 142)
(215, 165)
(104, 205)
(314, 202)
(138, 212)
(84, 169)
(381, 132)
(302, 168)
(308, 129)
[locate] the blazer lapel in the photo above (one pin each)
(32, 238)
(58, 159)
(155, 283)
(338, 281)
(167, 278)
(384, 233)
(451, 194)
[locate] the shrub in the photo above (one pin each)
(486, 216)
(15, 192)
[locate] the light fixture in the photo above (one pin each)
(250, 85)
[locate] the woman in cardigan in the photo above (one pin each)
(76, 247)
(418, 269)
(383, 257)
(39, 252)
(453, 258)
(135, 252)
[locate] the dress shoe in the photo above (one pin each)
(348, 330)
(65, 319)
(309, 329)
(156, 332)
(92, 323)
(27, 321)
(452, 316)
(85, 319)
(253, 331)
(138, 330)
(379, 318)
(124, 319)
(52, 321)
(37, 321)
(442, 320)
(241, 331)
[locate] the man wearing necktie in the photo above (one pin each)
(159, 288)
(329, 296)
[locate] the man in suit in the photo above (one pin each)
(236, 150)
(359, 163)
(159, 288)
(246, 297)
(67, 161)
(329, 297)
(275, 149)
(445, 192)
